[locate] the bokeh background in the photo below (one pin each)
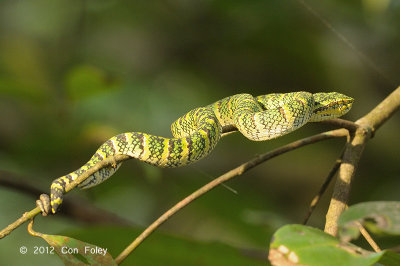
(74, 73)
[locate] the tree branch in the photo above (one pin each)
(382, 112)
(367, 125)
(339, 123)
(341, 191)
(73, 207)
(227, 176)
(110, 161)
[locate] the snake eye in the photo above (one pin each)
(330, 105)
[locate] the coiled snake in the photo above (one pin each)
(197, 132)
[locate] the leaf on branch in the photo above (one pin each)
(379, 217)
(75, 252)
(303, 245)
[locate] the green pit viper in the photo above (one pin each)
(197, 132)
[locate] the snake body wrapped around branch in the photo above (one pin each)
(196, 133)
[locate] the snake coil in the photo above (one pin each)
(196, 133)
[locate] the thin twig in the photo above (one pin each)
(229, 129)
(322, 190)
(109, 161)
(25, 217)
(228, 175)
(339, 123)
(368, 237)
(73, 207)
(29, 215)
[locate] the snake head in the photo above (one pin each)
(330, 105)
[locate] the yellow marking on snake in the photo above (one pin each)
(165, 153)
(196, 133)
(146, 152)
(185, 151)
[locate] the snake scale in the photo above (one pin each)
(196, 133)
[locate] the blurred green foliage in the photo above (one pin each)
(75, 73)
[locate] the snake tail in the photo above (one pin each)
(189, 145)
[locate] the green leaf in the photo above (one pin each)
(303, 245)
(379, 217)
(75, 252)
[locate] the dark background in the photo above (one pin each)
(74, 73)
